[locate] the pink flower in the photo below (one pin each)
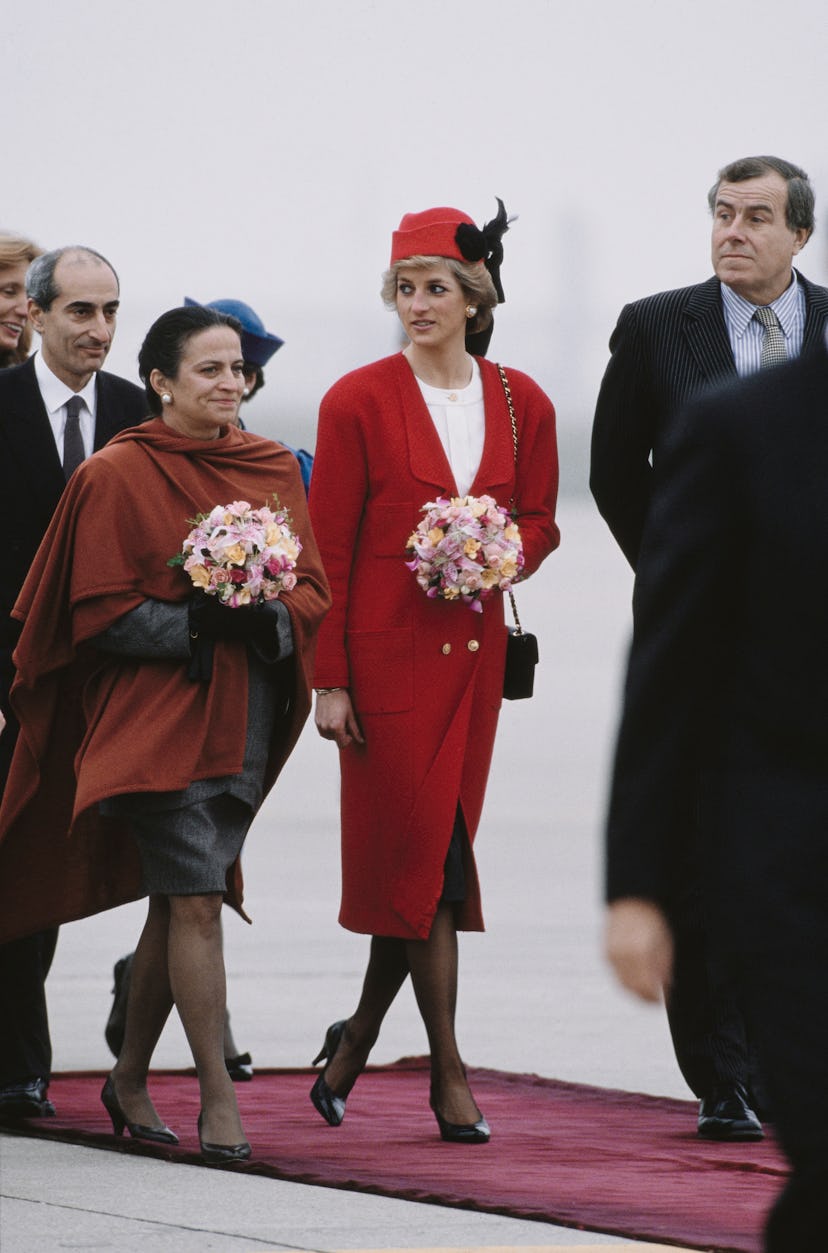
(240, 554)
(464, 549)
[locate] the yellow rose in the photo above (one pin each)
(235, 555)
(489, 578)
(471, 547)
(511, 532)
(199, 576)
(434, 536)
(509, 569)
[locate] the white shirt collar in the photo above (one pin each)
(739, 311)
(55, 392)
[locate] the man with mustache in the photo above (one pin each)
(55, 410)
(666, 350)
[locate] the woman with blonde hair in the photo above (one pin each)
(409, 681)
(16, 255)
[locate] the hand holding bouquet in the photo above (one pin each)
(240, 555)
(238, 558)
(465, 549)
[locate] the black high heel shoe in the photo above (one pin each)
(221, 1154)
(328, 1104)
(158, 1135)
(461, 1132)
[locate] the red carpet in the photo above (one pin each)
(606, 1161)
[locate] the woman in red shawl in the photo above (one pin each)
(178, 711)
(409, 685)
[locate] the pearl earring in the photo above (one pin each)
(246, 391)
(166, 398)
(471, 311)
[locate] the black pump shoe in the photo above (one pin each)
(461, 1132)
(333, 1038)
(240, 1069)
(158, 1135)
(328, 1104)
(222, 1154)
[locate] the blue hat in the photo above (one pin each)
(258, 345)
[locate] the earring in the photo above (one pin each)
(246, 391)
(166, 398)
(471, 311)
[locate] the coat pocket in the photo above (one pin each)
(381, 665)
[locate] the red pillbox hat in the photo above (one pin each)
(431, 233)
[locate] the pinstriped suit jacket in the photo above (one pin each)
(665, 350)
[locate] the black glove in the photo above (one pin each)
(210, 620)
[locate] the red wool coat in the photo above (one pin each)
(425, 676)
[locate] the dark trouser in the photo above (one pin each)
(25, 1047)
(706, 1022)
(788, 1008)
(704, 1011)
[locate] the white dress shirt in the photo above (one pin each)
(459, 417)
(55, 394)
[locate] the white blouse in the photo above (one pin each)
(460, 420)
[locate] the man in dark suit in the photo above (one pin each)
(727, 700)
(44, 432)
(666, 349)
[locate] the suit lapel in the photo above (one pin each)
(816, 314)
(106, 420)
(426, 455)
(497, 465)
(705, 332)
(29, 437)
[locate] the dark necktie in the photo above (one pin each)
(774, 351)
(73, 451)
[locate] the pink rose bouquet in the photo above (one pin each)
(241, 555)
(465, 549)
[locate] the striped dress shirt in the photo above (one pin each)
(747, 335)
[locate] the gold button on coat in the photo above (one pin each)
(473, 646)
(447, 649)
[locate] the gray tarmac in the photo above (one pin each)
(535, 995)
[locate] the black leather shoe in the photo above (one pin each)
(116, 1022)
(325, 1101)
(240, 1069)
(25, 1100)
(222, 1154)
(460, 1132)
(724, 1114)
(463, 1133)
(157, 1135)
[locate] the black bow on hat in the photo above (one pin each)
(486, 245)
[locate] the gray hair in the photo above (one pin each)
(799, 210)
(40, 276)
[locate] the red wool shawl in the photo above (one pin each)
(95, 726)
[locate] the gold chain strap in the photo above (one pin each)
(512, 502)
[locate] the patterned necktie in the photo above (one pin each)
(73, 450)
(774, 351)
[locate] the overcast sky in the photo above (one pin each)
(265, 149)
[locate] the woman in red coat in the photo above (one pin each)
(409, 685)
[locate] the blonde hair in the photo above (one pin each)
(15, 250)
(473, 277)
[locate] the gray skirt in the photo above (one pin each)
(188, 851)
